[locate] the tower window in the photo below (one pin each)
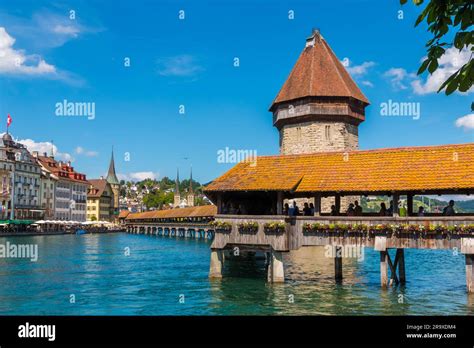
(327, 132)
(298, 133)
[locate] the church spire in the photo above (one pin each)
(191, 182)
(111, 176)
(176, 185)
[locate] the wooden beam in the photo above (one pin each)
(317, 204)
(219, 203)
(279, 203)
(410, 204)
(393, 270)
(401, 265)
(337, 203)
(395, 199)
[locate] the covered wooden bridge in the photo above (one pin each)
(250, 201)
(192, 222)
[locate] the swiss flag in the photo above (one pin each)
(9, 120)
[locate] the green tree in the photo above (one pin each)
(444, 17)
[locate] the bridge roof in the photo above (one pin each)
(430, 168)
(199, 211)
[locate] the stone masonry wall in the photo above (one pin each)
(317, 136)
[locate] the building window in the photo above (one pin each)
(327, 132)
(298, 133)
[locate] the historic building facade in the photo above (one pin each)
(100, 201)
(103, 196)
(70, 196)
(25, 173)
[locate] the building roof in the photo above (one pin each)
(123, 214)
(435, 168)
(199, 211)
(97, 188)
(111, 176)
(318, 73)
(63, 171)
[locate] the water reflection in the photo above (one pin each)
(159, 270)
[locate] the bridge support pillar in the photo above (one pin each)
(401, 265)
(397, 264)
(338, 264)
(470, 273)
(276, 272)
(384, 269)
(217, 262)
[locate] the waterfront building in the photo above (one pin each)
(100, 200)
(25, 173)
(5, 192)
(7, 164)
(48, 184)
(114, 183)
(70, 197)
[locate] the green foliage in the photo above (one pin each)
(441, 16)
(157, 199)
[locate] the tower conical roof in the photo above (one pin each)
(318, 73)
(111, 176)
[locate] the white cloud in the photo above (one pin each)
(466, 122)
(68, 30)
(138, 176)
(181, 66)
(13, 61)
(399, 77)
(449, 63)
(45, 147)
(367, 83)
(46, 28)
(81, 151)
(358, 70)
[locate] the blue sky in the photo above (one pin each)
(190, 62)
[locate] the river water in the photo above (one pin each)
(127, 274)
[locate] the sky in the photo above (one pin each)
(163, 81)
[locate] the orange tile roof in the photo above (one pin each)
(123, 214)
(318, 73)
(445, 167)
(199, 211)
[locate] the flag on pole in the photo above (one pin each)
(9, 120)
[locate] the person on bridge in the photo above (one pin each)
(449, 209)
(307, 210)
(421, 211)
(357, 209)
(383, 209)
(350, 210)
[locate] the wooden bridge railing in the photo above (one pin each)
(283, 233)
